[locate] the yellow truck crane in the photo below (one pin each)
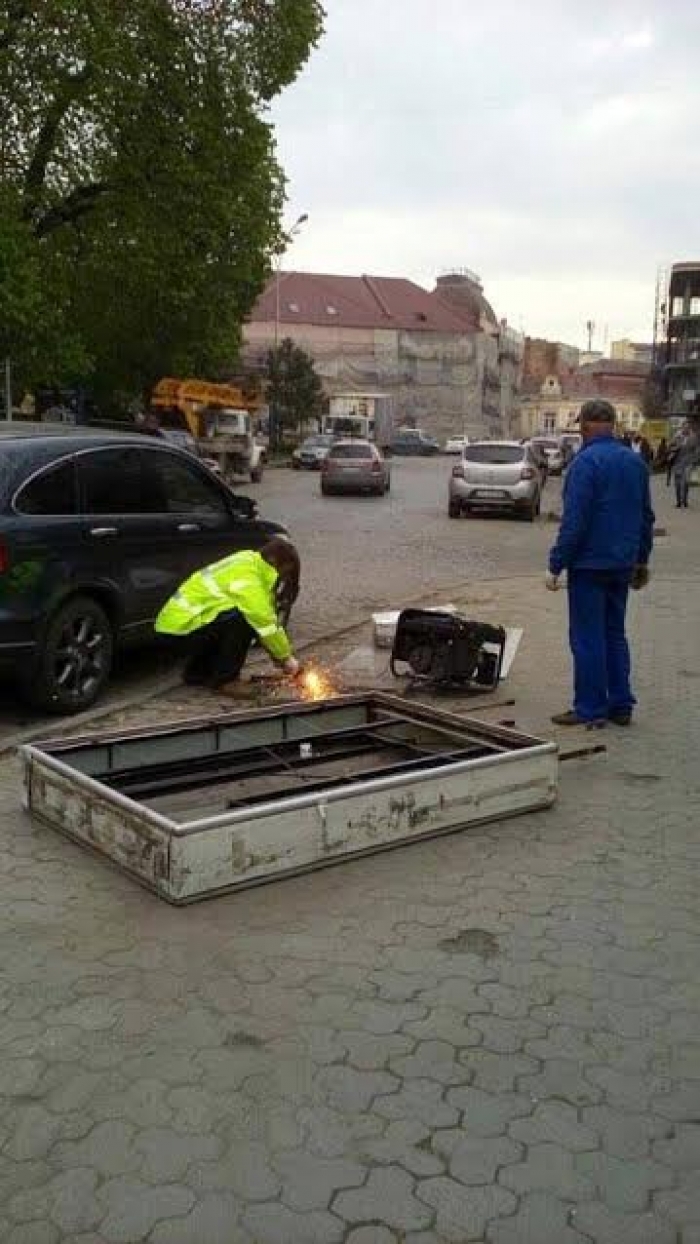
(219, 417)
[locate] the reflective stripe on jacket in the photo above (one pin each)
(244, 581)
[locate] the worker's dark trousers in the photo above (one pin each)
(218, 651)
(597, 606)
(682, 489)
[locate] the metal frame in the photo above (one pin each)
(329, 819)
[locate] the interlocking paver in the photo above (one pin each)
(554, 1122)
(462, 1213)
(31, 1233)
(275, 1224)
(540, 1219)
(623, 1184)
(498, 1073)
(214, 1220)
(372, 1235)
(487, 1114)
(310, 1182)
(477, 1160)
(548, 1168)
(624, 1135)
(607, 1227)
(132, 1208)
(418, 1099)
(387, 1198)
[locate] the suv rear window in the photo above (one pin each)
(52, 492)
(497, 454)
(351, 451)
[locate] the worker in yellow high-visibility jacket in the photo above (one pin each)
(226, 605)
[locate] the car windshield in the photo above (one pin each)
(496, 454)
(314, 442)
(173, 420)
(352, 451)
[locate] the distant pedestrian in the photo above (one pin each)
(604, 545)
(686, 458)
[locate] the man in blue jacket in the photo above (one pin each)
(604, 545)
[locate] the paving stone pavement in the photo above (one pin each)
(492, 1037)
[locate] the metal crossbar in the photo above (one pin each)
(170, 777)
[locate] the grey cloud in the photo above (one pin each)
(533, 143)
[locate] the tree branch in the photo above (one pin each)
(46, 142)
(75, 205)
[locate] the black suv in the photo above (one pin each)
(96, 532)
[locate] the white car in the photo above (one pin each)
(455, 444)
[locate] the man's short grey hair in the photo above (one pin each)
(597, 411)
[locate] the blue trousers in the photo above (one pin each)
(597, 607)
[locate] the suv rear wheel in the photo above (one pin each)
(75, 659)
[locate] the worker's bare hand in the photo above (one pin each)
(551, 582)
(292, 667)
(640, 578)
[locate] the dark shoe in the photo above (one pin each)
(621, 719)
(570, 718)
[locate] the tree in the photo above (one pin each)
(294, 389)
(141, 196)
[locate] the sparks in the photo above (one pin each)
(316, 684)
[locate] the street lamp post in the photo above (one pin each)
(288, 237)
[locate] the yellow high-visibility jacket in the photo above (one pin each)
(243, 581)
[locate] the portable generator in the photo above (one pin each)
(447, 651)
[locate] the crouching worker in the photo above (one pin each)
(226, 606)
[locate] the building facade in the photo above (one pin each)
(554, 407)
(678, 351)
(627, 351)
(450, 365)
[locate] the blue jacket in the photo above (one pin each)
(608, 522)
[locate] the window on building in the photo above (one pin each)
(331, 310)
(294, 307)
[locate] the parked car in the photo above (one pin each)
(355, 466)
(455, 444)
(550, 446)
(415, 442)
(96, 532)
(311, 452)
(496, 475)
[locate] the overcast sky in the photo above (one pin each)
(552, 147)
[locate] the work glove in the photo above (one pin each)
(551, 582)
(639, 577)
(291, 667)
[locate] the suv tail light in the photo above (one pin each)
(528, 473)
(458, 472)
(4, 557)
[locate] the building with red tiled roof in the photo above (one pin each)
(554, 406)
(442, 354)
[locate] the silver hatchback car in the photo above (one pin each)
(355, 466)
(496, 475)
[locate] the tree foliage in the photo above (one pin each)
(294, 389)
(141, 196)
